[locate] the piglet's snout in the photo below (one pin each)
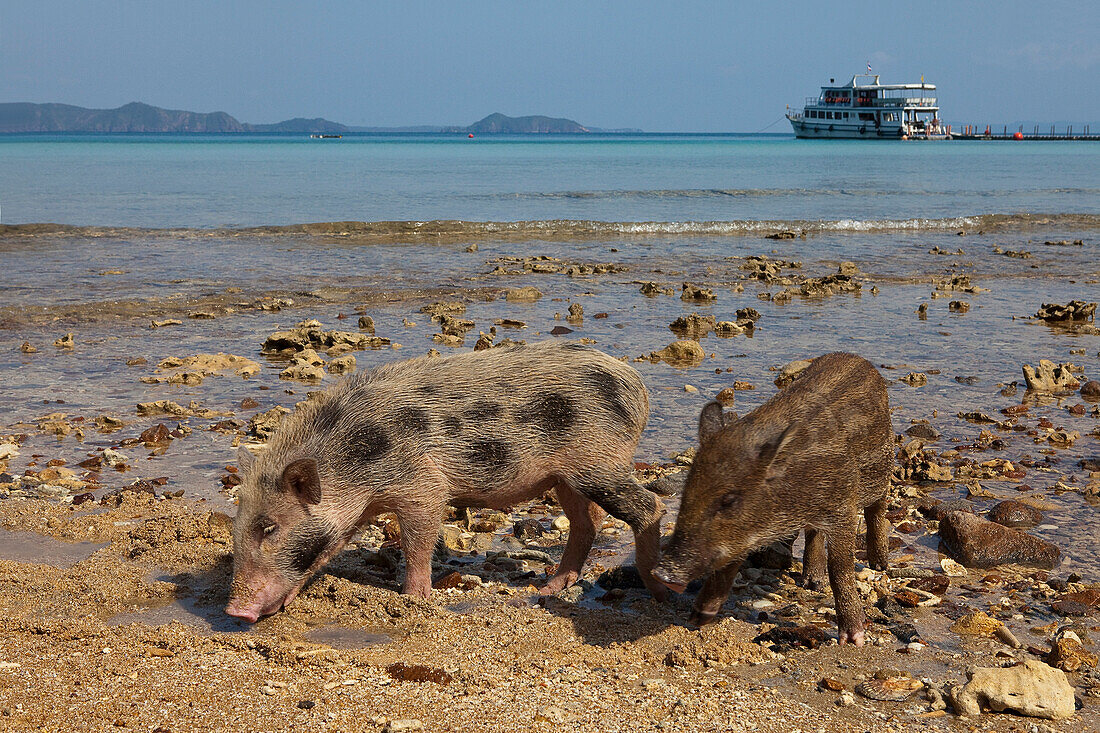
(253, 602)
(669, 577)
(243, 611)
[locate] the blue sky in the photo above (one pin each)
(660, 66)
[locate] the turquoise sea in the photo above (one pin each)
(204, 181)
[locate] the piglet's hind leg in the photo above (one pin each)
(584, 518)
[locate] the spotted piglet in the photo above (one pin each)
(489, 428)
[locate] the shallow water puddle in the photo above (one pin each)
(346, 637)
(206, 619)
(35, 548)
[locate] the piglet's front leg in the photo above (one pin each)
(713, 595)
(851, 621)
(419, 532)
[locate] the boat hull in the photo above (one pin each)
(839, 130)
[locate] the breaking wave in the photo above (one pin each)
(719, 193)
(568, 229)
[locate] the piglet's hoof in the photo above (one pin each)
(702, 618)
(855, 635)
(557, 584)
(814, 584)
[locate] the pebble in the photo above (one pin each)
(951, 568)
(551, 714)
(561, 523)
(1006, 636)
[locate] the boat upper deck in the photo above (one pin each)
(855, 94)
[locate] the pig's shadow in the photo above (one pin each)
(634, 617)
(198, 600)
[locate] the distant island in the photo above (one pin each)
(139, 117)
(497, 123)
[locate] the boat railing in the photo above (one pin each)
(871, 102)
(828, 101)
(902, 102)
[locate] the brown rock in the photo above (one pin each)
(1075, 310)
(922, 430)
(680, 354)
(1049, 377)
(1091, 389)
(1068, 654)
(790, 371)
(159, 433)
(526, 294)
(1015, 514)
(697, 293)
(694, 326)
(727, 396)
(976, 624)
(979, 543)
(418, 673)
(810, 636)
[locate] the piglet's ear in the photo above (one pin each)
(771, 450)
(711, 420)
(301, 479)
(245, 459)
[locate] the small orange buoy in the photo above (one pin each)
(470, 135)
(1018, 136)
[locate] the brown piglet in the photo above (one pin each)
(808, 459)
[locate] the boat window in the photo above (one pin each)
(866, 116)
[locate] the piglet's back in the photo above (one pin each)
(494, 410)
(839, 401)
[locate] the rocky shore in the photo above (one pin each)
(117, 480)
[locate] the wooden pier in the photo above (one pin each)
(976, 132)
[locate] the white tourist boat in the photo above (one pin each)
(863, 109)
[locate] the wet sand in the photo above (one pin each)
(111, 605)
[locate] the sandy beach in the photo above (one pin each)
(115, 548)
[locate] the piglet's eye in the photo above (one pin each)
(731, 499)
